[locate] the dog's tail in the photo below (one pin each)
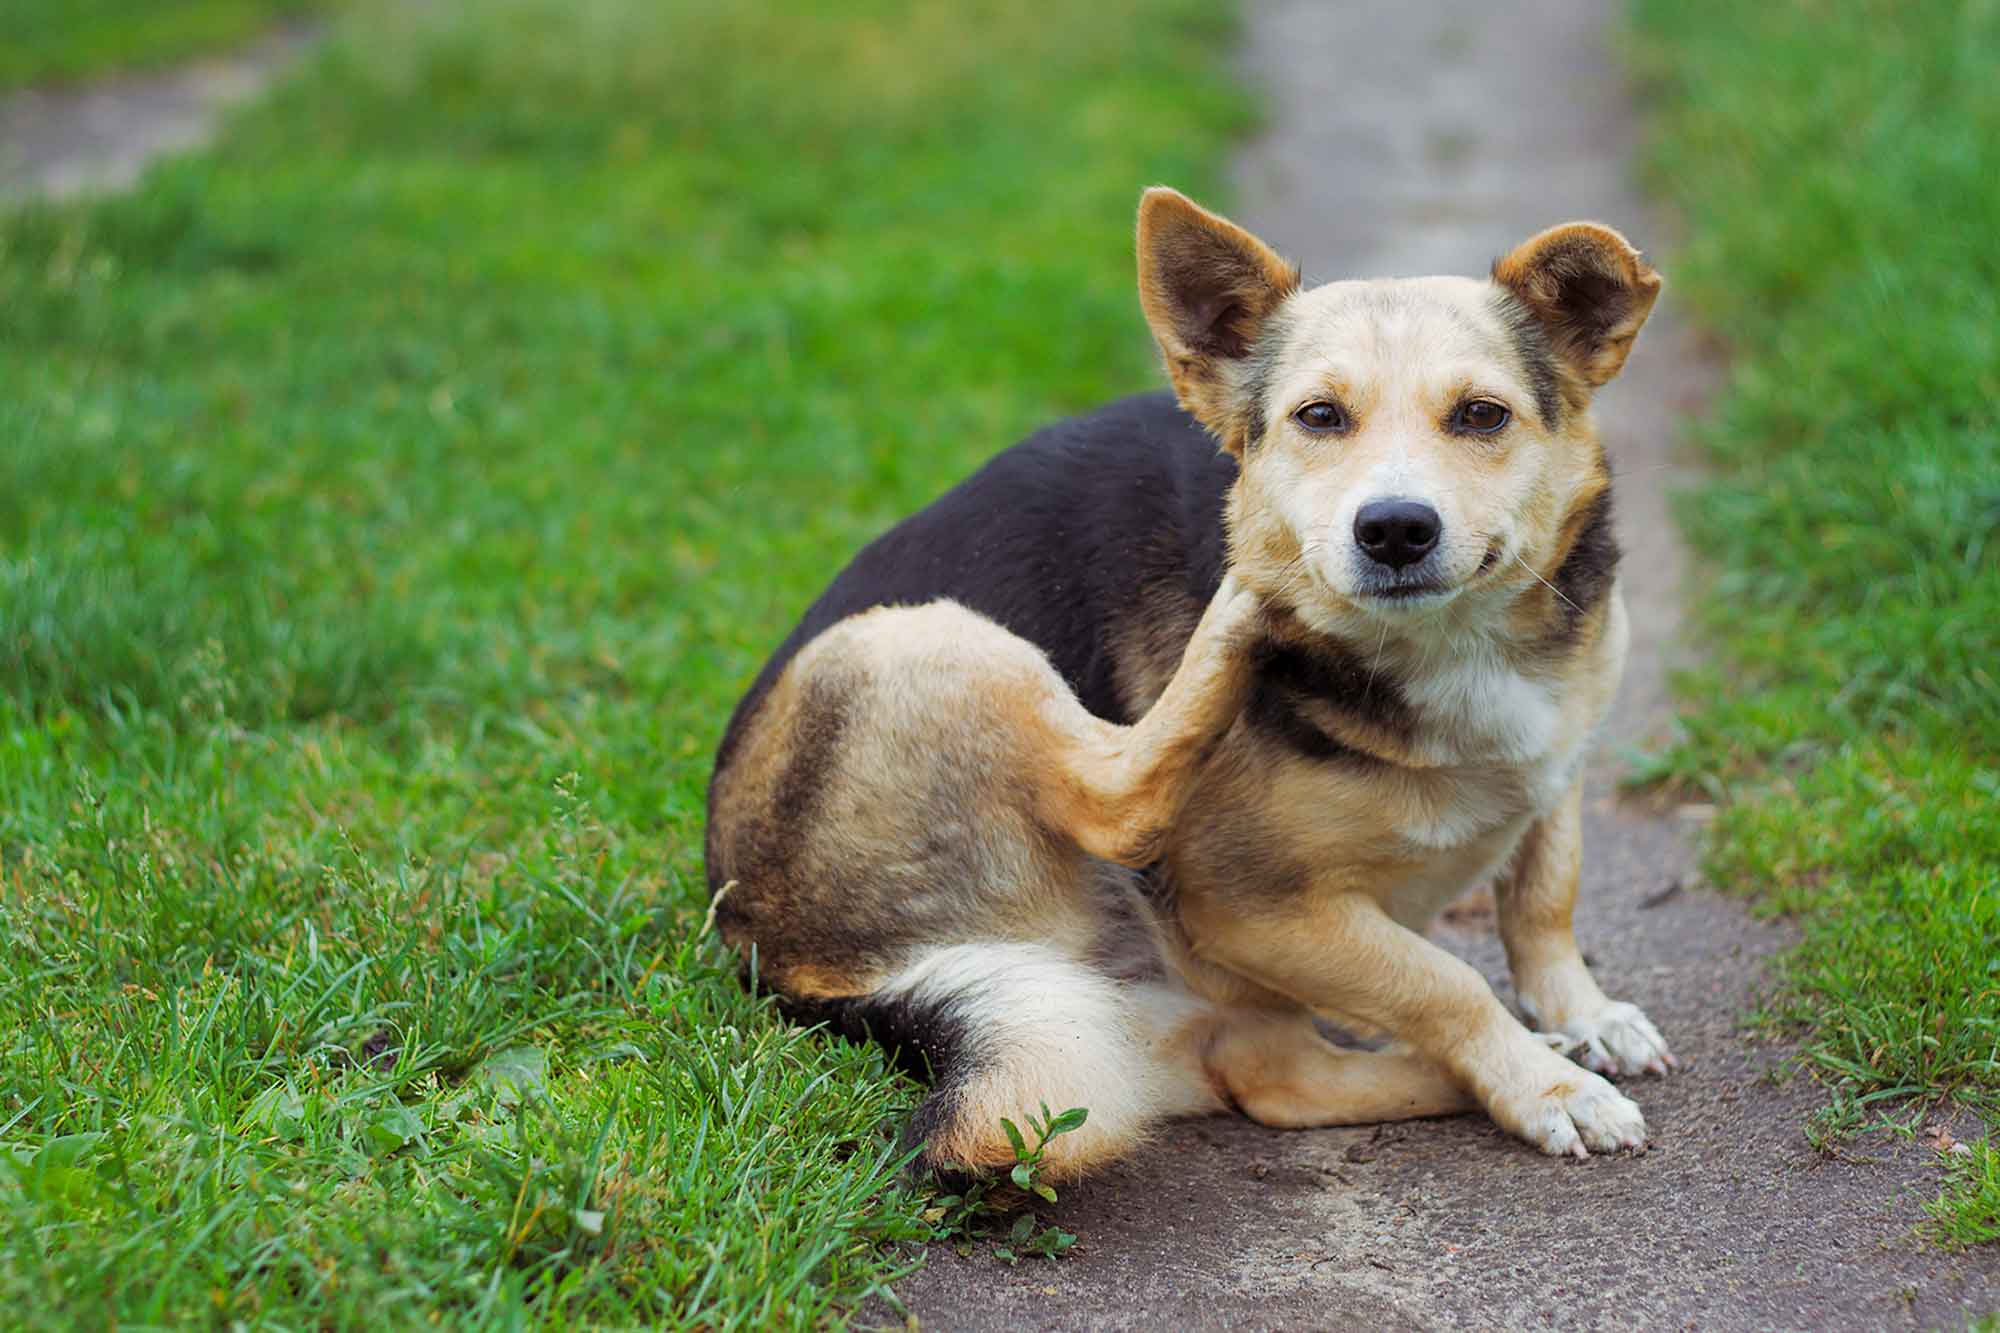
(1004, 1029)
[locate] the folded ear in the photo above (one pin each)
(1589, 289)
(1208, 287)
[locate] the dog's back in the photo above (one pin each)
(1070, 539)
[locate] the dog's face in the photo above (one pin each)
(1405, 445)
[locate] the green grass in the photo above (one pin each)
(1969, 1212)
(394, 500)
(1839, 168)
(48, 40)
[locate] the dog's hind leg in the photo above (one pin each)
(910, 826)
(1116, 790)
(1278, 1070)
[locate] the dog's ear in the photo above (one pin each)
(1589, 290)
(1208, 287)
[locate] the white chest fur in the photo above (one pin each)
(1462, 824)
(1505, 745)
(1476, 707)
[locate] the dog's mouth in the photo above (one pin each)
(1413, 595)
(1409, 592)
(1397, 593)
(1416, 591)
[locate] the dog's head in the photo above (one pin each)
(1404, 445)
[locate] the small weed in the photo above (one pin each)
(969, 1216)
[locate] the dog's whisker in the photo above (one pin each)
(1545, 583)
(1380, 641)
(1292, 576)
(1297, 583)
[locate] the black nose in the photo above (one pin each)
(1397, 532)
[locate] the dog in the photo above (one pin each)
(1115, 775)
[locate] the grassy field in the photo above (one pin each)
(394, 501)
(71, 39)
(1842, 240)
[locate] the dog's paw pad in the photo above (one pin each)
(1617, 1039)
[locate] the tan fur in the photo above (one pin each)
(1277, 1069)
(1116, 791)
(952, 842)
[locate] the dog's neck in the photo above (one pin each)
(1441, 691)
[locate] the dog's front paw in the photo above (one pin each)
(1618, 1039)
(1573, 1113)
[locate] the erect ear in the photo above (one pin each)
(1208, 287)
(1589, 289)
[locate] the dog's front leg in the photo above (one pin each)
(1537, 898)
(1337, 951)
(1116, 790)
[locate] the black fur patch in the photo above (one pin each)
(1586, 572)
(1531, 347)
(1275, 711)
(929, 1040)
(818, 727)
(1055, 539)
(1333, 676)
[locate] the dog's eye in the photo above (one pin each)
(1482, 416)
(1320, 418)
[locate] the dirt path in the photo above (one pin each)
(99, 136)
(1412, 138)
